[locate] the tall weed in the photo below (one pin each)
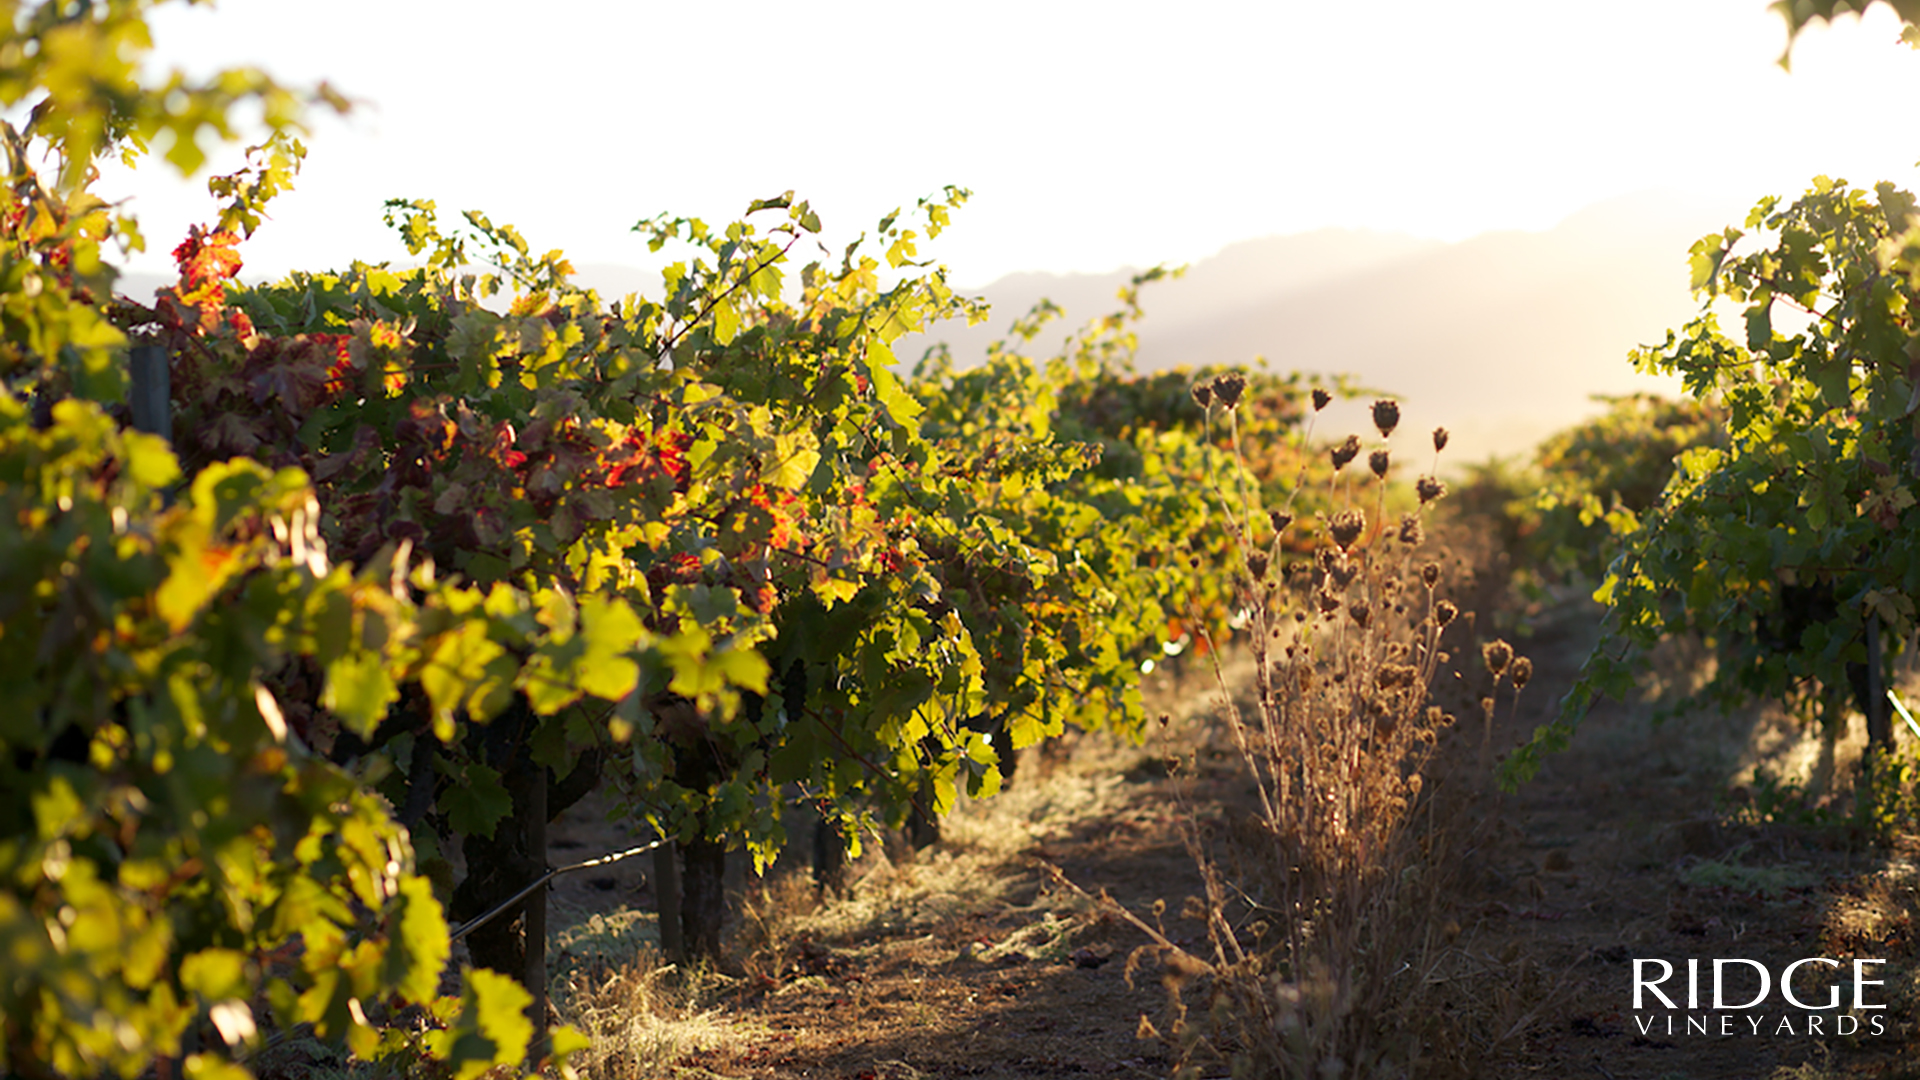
(1327, 949)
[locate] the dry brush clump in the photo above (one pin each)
(1325, 938)
(642, 1015)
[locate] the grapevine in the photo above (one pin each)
(1810, 490)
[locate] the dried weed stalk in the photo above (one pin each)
(1325, 947)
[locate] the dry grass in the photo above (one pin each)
(643, 1015)
(1328, 951)
(647, 1018)
(984, 860)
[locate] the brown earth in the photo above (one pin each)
(962, 960)
(1639, 843)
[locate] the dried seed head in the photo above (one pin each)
(1393, 675)
(1329, 603)
(1346, 527)
(1522, 672)
(1378, 462)
(1430, 488)
(1439, 439)
(1279, 519)
(1321, 399)
(1203, 394)
(1433, 716)
(1343, 572)
(1386, 416)
(1430, 574)
(1361, 613)
(1444, 612)
(1257, 565)
(1497, 653)
(1345, 452)
(1411, 532)
(1227, 388)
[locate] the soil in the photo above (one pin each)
(1643, 841)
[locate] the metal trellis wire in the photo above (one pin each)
(605, 860)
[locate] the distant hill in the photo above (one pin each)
(1241, 276)
(1502, 338)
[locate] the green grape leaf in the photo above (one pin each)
(212, 1067)
(945, 793)
(418, 949)
(215, 974)
(359, 691)
(795, 455)
(611, 632)
(564, 1043)
(196, 570)
(476, 801)
(900, 405)
(726, 320)
(460, 670)
(150, 461)
(491, 1028)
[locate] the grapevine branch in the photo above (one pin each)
(687, 325)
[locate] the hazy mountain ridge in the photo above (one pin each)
(1239, 276)
(1503, 337)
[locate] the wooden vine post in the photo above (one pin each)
(666, 894)
(535, 920)
(1879, 714)
(151, 391)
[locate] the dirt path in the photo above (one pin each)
(1628, 847)
(960, 961)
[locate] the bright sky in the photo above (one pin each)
(1093, 135)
